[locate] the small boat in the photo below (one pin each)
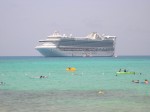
(71, 69)
(125, 73)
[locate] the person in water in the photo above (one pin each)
(146, 81)
(120, 70)
(2, 83)
(125, 70)
(43, 76)
(69, 68)
(101, 92)
(135, 81)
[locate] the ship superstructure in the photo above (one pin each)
(91, 45)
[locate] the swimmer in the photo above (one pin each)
(2, 83)
(43, 76)
(101, 92)
(135, 81)
(146, 81)
(120, 70)
(125, 70)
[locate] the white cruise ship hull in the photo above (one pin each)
(64, 46)
(55, 52)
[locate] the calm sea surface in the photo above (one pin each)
(22, 89)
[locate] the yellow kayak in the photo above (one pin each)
(71, 69)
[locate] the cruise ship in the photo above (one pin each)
(90, 45)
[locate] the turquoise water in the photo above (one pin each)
(22, 89)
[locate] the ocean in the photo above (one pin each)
(40, 84)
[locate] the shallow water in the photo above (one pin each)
(59, 101)
(23, 90)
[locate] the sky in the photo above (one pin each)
(24, 22)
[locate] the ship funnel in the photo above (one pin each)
(93, 35)
(70, 35)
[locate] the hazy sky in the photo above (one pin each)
(24, 22)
